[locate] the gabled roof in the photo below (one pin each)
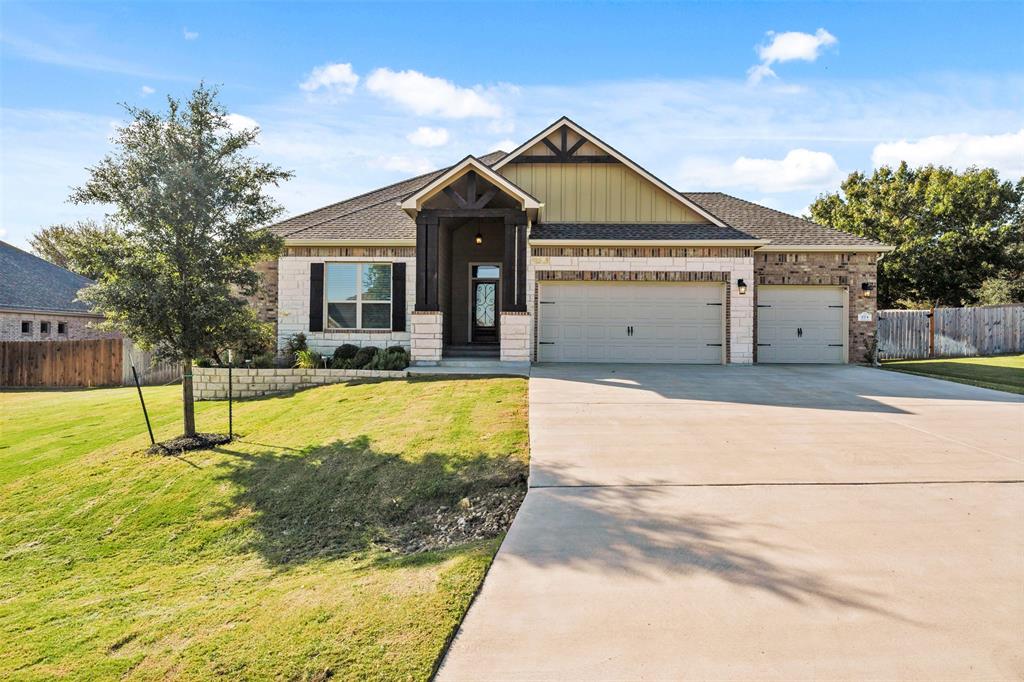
(414, 202)
(565, 121)
(372, 216)
(784, 230)
(28, 282)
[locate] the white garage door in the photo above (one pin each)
(801, 324)
(630, 322)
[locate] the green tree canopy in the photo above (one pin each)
(73, 246)
(189, 214)
(952, 231)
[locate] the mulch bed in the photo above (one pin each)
(200, 441)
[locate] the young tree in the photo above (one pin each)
(190, 207)
(72, 246)
(952, 231)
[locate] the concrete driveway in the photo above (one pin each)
(762, 522)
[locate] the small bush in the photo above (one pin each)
(264, 361)
(296, 343)
(340, 363)
(308, 359)
(394, 358)
(364, 356)
(345, 351)
(204, 362)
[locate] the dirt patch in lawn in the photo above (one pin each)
(200, 441)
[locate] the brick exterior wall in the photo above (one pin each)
(660, 264)
(264, 302)
(78, 327)
(838, 269)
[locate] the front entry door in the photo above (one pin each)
(484, 307)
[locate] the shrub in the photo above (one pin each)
(364, 356)
(264, 361)
(296, 343)
(308, 359)
(394, 358)
(345, 351)
(340, 363)
(204, 362)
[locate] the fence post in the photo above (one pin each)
(931, 332)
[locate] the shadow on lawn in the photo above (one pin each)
(343, 498)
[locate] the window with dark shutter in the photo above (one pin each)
(398, 297)
(316, 297)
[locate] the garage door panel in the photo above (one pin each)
(672, 323)
(800, 324)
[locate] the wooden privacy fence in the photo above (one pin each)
(950, 332)
(96, 362)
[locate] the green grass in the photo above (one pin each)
(259, 560)
(1001, 372)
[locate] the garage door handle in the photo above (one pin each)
(713, 344)
(799, 332)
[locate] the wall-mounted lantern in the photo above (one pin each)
(478, 239)
(741, 286)
(866, 288)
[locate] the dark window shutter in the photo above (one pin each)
(398, 297)
(316, 297)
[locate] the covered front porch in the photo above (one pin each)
(471, 260)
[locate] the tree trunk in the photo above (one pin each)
(186, 398)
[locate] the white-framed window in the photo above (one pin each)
(358, 295)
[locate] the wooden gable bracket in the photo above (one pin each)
(471, 200)
(563, 153)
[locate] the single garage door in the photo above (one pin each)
(630, 322)
(801, 324)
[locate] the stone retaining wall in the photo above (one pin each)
(211, 383)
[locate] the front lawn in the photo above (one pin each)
(1001, 372)
(289, 554)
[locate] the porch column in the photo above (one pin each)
(513, 267)
(427, 256)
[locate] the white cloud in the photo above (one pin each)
(505, 145)
(189, 35)
(799, 169)
(429, 96)
(404, 164)
(1003, 152)
(787, 47)
(425, 136)
(146, 90)
(3, 232)
(238, 122)
(338, 78)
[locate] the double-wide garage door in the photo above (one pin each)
(671, 322)
(801, 324)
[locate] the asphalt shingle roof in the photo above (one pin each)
(28, 282)
(376, 215)
(766, 223)
(615, 231)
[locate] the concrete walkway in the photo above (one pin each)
(758, 523)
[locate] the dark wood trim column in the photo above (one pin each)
(508, 266)
(522, 260)
(427, 262)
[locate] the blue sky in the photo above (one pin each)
(772, 102)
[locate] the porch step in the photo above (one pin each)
(473, 366)
(492, 351)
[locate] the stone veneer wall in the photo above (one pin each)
(626, 263)
(211, 383)
(828, 268)
(515, 337)
(427, 343)
(79, 327)
(293, 299)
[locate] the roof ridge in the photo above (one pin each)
(46, 262)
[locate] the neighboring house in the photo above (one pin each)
(564, 250)
(38, 300)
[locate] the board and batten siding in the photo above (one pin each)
(597, 193)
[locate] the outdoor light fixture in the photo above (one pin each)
(865, 288)
(479, 239)
(741, 286)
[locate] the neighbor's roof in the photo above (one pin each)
(376, 215)
(634, 232)
(28, 282)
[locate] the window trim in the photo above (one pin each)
(61, 325)
(24, 324)
(328, 328)
(44, 327)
